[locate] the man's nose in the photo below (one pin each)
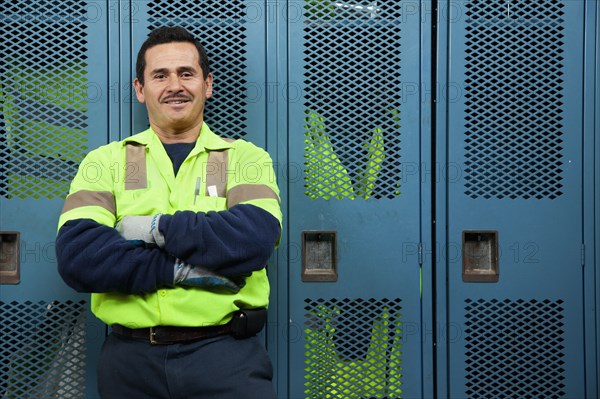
(174, 83)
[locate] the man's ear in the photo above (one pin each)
(209, 86)
(139, 90)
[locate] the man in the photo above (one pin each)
(171, 229)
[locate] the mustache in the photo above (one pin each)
(175, 98)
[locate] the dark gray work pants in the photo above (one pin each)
(215, 368)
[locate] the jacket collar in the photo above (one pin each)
(207, 140)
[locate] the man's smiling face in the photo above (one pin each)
(174, 88)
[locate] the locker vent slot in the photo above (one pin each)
(353, 348)
(514, 349)
(352, 133)
(221, 28)
(43, 349)
(514, 91)
(44, 88)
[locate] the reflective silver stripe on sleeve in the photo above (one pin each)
(104, 199)
(135, 166)
(216, 173)
(247, 192)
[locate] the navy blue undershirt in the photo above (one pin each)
(178, 152)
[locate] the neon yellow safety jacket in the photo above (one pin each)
(135, 177)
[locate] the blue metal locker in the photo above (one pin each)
(514, 237)
(55, 103)
(354, 200)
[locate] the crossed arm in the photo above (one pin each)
(95, 258)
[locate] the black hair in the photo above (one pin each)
(169, 34)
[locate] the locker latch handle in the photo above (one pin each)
(480, 256)
(319, 256)
(10, 259)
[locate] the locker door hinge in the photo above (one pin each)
(420, 253)
(582, 254)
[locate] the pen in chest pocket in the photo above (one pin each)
(197, 189)
(212, 190)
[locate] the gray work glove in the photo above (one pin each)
(187, 275)
(143, 229)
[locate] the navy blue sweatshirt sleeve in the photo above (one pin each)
(232, 243)
(95, 258)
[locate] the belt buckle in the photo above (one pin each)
(153, 336)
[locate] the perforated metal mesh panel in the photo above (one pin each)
(514, 349)
(43, 350)
(44, 80)
(352, 99)
(220, 27)
(514, 99)
(353, 348)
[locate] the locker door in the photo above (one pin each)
(54, 104)
(354, 230)
(514, 212)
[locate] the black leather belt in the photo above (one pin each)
(171, 335)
